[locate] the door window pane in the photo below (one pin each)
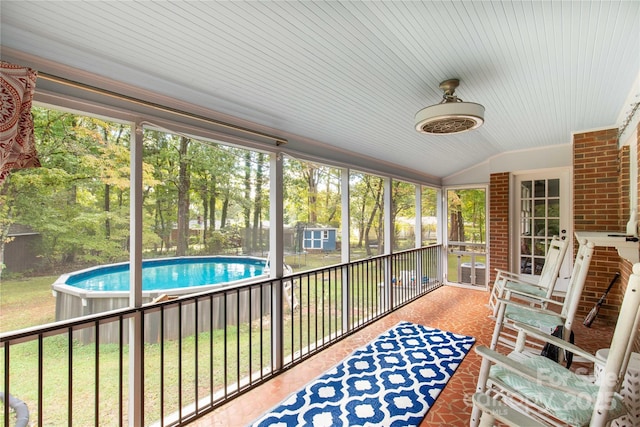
(554, 188)
(540, 188)
(540, 221)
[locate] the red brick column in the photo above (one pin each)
(597, 200)
(498, 223)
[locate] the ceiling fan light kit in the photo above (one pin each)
(452, 115)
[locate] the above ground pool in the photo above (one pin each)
(167, 273)
(104, 288)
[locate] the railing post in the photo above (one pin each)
(387, 284)
(419, 268)
(346, 299)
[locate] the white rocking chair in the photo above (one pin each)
(541, 286)
(516, 308)
(551, 394)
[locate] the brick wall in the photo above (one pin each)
(498, 223)
(597, 207)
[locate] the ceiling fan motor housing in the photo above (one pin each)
(451, 116)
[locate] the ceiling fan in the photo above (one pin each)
(452, 115)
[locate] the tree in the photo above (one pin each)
(184, 185)
(248, 244)
(332, 197)
(403, 204)
(306, 199)
(257, 203)
(466, 207)
(366, 194)
(161, 199)
(429, 200)
(69, 200)
(474, 212)
(456, 221)
(213, 169)
(311, 175)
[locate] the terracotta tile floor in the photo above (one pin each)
(454, 309)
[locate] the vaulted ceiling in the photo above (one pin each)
(352, 74)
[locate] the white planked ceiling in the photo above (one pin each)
(353, 74)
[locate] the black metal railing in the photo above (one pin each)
(184, 357)
(471, 268)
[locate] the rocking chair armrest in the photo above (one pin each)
(515, 277)
(527, 372)
(502, 412)
(556, 341)
(540, 299)
(510, 364)
(527, 307)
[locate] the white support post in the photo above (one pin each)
(388, 226)
(136, 334)
(418, 220)
(419, 273)
(276, 262)
(345, 247)
(388, 243)
(441, 213)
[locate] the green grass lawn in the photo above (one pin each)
(29, 302)
(26, 302)
(189, 369)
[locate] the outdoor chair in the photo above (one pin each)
(541, 286)
(551, 394)
(515, 308)
(289, 288)
(288, 285)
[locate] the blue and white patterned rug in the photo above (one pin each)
(392, 381)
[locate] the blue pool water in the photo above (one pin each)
(169, 273)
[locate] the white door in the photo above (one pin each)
(543, 209)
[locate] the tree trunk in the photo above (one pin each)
(248, 244)
(257, 203)
(311, 174)
(457, 228)
(205, 218)
(225, 210)
(376, 206)
(361, 224)
(107, 208)
(184, 183)
(330, 207)
(212, 205)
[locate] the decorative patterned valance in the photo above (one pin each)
(17, 146)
